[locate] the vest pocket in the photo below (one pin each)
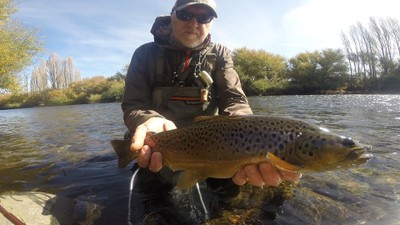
(184, 104)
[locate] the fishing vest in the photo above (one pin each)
(179, 95)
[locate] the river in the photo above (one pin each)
(66, 150)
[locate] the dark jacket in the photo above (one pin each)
(143, 82)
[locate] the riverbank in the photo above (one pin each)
(28, 100)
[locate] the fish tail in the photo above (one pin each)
(123, 152)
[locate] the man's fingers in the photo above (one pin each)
(240, 177)
(270, 174)
(169, 125)
(138, 137)
(143, 159)
(254, 176)
(156, 162)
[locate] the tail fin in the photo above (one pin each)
(124, 153)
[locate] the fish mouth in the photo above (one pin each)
(359, 154)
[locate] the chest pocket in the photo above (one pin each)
(182, 104)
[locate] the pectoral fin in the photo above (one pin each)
(188, 179)
(282, 165)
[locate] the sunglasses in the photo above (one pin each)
(187, 16)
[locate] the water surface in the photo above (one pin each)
(65, 150)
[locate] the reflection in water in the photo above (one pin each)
(66, 151)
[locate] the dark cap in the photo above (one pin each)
(181, 4)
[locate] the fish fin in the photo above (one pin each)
(188, 179)
(124, 153)
(149, 134)
(281, 164)
(200, 119)
(148, 141)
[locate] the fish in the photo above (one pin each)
(219, 146)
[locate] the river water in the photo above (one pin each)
(66, 151)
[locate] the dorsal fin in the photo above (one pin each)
(201, 119)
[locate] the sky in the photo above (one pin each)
(101, 35)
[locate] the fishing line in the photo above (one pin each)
(202, 201)
(133, 178)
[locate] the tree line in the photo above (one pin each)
(369, 62)
(91, 90)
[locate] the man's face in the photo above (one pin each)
(191, 33)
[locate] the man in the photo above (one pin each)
(166, 86)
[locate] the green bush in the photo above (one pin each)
(114, 92)
(57, 97)
(390, 83)
(95, 98)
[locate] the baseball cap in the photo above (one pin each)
(181, 4)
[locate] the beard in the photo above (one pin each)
(191, 40)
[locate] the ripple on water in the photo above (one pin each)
(66, 150)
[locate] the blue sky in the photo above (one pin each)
(101, 35)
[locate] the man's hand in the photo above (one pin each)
(264, 174)
(146, 157)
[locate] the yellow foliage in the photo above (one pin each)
(17, 47)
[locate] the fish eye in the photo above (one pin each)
(347, 142)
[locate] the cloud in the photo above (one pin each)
(100, 35)
(317, 24)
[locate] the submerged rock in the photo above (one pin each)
(39, 208)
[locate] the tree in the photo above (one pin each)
(39, 78)
(259, 70)
(394, 28)
(333, 68)
(319, 70)
(18, 46)
(350, 54)
(373, 51)
(58, 72)
(302, 69)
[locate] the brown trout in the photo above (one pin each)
(218, 146)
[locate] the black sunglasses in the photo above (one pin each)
(187, 16)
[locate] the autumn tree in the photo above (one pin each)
(18, 46)
(56, 73)
(39, 78)
(259, 70)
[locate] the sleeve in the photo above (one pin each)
(137, 101)
(231, 97)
